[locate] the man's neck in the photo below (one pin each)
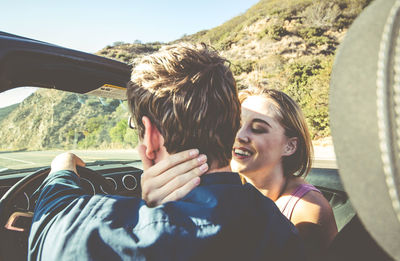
(223, 169)
(162, 154)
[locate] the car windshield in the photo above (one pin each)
(37, 124)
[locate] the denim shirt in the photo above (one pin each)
(221, 219)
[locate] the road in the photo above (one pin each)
(324, 157)
(32, 159)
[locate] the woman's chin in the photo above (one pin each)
(234, 165)
(237, 166)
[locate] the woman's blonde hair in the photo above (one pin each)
(290, 116)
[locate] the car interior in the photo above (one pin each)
(27, 62)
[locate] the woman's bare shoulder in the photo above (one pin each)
(311, 209)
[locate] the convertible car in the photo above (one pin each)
(73, 86)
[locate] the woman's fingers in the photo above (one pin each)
(182, 191)
(178, 187)
(149, 176)
(177, 171)
(172, 161)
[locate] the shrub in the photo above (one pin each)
(321, 14)
(349, 9)
(275, 32)
(90, 141)
(94, 133)
(313, 35)
(118, 43)
(308, 85)
(242, 66)
(285, 9)
(269, 64)
(309, 32)
(117, 133)
(94, 124)
(131, 138)
(22, 114)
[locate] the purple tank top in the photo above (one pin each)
(300, 191)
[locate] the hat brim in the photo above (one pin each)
(364, 119)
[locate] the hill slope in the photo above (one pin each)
(283, 44)
(287, 45)
(53, 119)
(4, 112)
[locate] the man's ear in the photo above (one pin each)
(152, 138)
(291, 146)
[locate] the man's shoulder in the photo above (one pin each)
(226, 190)
(223, 178)
(230, 182)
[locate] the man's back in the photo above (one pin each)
(220, 220)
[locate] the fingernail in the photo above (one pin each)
(194, 152)
(203, 167)
(202, 158)
(196, 181)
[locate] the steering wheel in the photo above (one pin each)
(15, 224)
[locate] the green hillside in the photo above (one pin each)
(287, 45)
(322, 15)
(4, 112)
(127, 52)
(282, 44)
(66, 121)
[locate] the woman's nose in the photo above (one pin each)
(242, 136)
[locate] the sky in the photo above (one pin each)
(89, 25)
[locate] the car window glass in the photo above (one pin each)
(37, 124)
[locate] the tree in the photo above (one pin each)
(118, 132)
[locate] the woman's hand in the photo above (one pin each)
(172, 178)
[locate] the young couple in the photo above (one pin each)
(272, 151)
(217, 217)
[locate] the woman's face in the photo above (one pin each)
(261, 141)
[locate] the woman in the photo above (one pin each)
(273, 152)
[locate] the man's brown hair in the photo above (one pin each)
(188, 92)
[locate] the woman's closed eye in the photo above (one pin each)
(257, 128)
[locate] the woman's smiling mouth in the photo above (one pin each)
(241, 153)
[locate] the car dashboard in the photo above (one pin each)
(124, 179)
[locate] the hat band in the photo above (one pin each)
(386, 98)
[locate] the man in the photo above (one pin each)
(181, 97)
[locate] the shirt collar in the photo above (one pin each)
(220, 178)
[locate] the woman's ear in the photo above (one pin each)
(291, 146)
(152, 138)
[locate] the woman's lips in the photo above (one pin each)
(241, 153)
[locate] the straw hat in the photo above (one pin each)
(365, 119)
